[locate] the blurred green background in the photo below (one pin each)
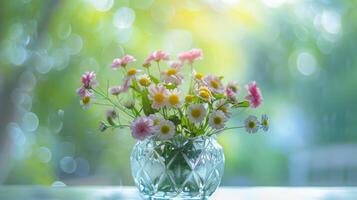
(302, 54)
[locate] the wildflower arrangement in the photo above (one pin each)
(154, 104)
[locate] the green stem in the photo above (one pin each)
(114, 104)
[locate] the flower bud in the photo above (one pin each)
(130, 104)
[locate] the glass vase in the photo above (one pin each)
(179, 168)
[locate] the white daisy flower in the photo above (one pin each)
(173, 99)
(197, 76)
(196, 113)
(265, 122)
(155, 119)
(132, 72)
(144, 80)
(165, 129)
(214, 84)
(158, 94)
(173, 76)
(87, 100)
(217, 119)
(251, 124)
(223, 106)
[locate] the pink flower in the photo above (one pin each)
(82, 91)
(255, 97)
(229, 92)
(160, 55)
(155, 56)
(123, 62)
(142, 128)
(116, 63)
(89, 81)
(191, 56)
(176, 64)
(126, 85)
(148, 60)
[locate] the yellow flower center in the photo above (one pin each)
(144, 81)
(188, 98)
(171, 72)
(159, 98)
(156, 122)
(199, 76)
(217, 120)
(204, 94)
(132, 72)
(196, 113)
(265, 122)
(215, 84)
(251, 124)
(86, 100)
(165, 129)
(173, 99)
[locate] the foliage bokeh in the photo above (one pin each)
(302, 53)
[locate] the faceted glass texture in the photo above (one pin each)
(180, 168)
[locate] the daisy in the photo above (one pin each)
(132, 72)
(122, 62)
(188, 98)
(217, 119)
(144, 80)
(191, 55)
(142, 128)
(214, 84)
(173, 99)
(255, 97)
(251, 124)
(197, 76)
(173, 76)
(89, 81)
(165, 129)
(158, 94)
(265, 122)
(156, 119)
(223, 106)
(87, 100)
(196, 113)
(204, 93)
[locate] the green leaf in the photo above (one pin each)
(147, 105)
(170, 87)
(154, 79)
(243, 104)
(175, 119)
(218, 96)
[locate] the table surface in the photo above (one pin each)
(130, 193)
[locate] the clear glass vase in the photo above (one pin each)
(180, 168)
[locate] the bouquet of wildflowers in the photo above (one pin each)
(153, 102)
